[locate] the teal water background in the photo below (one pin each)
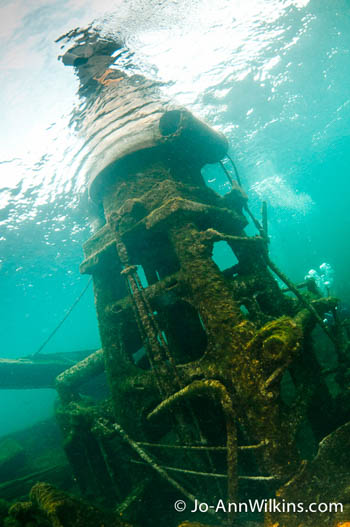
(273, 75)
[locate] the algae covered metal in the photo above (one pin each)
(214, 385)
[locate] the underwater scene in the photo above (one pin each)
(174, 263)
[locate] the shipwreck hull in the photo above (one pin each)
(212, 374)
(194, 356)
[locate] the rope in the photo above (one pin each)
(200, 447)
(235, 169)
(64, 318)
(246, 208)
(206, 474)
(149, 460)
(263, 233)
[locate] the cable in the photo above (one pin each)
(235, 169)
(64, 318)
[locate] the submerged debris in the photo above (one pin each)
(194, 356)
(50, 507)
(215, 387)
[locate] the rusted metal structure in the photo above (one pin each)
(212, 374)
(36, 371)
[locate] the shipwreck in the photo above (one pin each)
(215, 391)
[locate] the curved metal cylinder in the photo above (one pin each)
(148, 130)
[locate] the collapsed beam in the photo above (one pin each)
(36, 373)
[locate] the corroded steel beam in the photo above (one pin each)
(35, 373)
